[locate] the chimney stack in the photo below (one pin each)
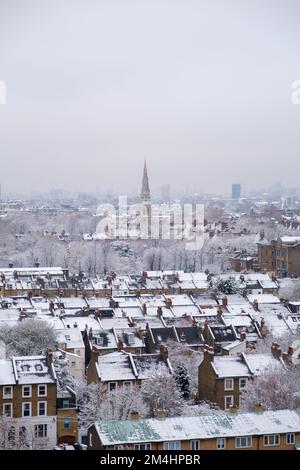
(144, 309)
(233, 409)
(208, 352)
(163, 351)
(276, 350)
(258, 408)
(158, 413)
(49, 356)
(255, 305)
(242, 335)
(224, 301)
(134, 414)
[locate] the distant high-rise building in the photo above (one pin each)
(145, 192)
(236, 191)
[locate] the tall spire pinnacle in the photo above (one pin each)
(145, 193)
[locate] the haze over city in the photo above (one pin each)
(201, 89)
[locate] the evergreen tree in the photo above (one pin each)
(182, 381)
(227, 286)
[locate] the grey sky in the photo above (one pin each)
(201, 88)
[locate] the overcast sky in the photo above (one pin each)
(201, 88)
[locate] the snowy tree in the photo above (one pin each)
(183, 382)
(227, 286)
(90, 405)
(290, 290)
(274, 389)
(62, 370)
(14, 437)
(160, 392)
(27, 338)
(96, 403)
(181, 354)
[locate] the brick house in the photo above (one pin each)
(221, 379)
(28, 398)
(264, 430)
(122, 369)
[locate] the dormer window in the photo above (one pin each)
(100, 341)
(38, 367)
(25, 367)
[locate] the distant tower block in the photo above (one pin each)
(145, 193)
(236, 191)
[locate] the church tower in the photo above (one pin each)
(145, 193)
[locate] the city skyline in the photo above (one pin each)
(202, 90)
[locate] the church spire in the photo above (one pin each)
(145, 193)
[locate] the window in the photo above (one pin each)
(145, 446)
(290, 438)
(26, 408)
(7, 410)
(99, 341)
(127, 385)
(42, 390)
(243, 442)
(172, 445)
(221, 443)
(26, 391)
(271, 440)
(73, 363)
(66, 403)
(195, 444)
(42, 408)
(228, 384)
(112, 386)
(243, 382)
(67, 423)
(40, 430)
(228, 401)
(7, 392)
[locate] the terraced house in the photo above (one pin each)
(267, 430)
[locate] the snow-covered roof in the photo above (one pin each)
(263, 298)
(180, 299)
(289, 240)
(33, 369)
(72, 337)
(81, 322)
(7, 376)
(26, 370)
(230, 366)
(181, 310)
(259, 363)
(206, 426)
(115, 366)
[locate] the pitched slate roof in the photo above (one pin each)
(206, 426)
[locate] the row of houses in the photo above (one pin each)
(57, 281)
(260, 430)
